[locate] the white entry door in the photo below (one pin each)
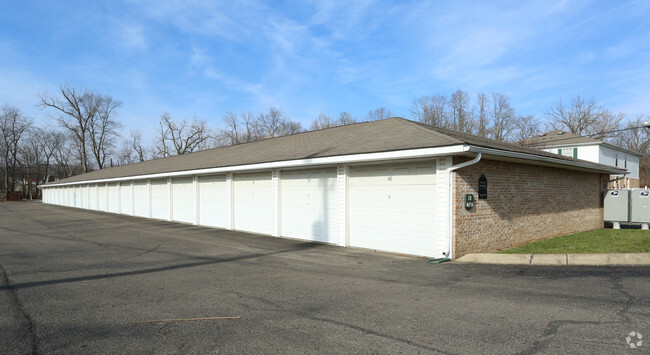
(309, 205)
(253, 202)
(392, 207)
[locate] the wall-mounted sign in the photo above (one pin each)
(482, 187)
(469, 201)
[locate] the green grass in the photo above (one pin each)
(592, 242)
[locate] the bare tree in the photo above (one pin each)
(181, 137)
(461, 114)
(31, 154)
(584, 117)
(13, 126)
(103, 127)
(483, 119)
(525, 127)
(379, 113)
(275, 124)
(64, 155)
(345, 118)
(503, 117)
(240, 128)
(635, 137)
(89, 117)
(431, 110)
(51, 141)
(322, 121)
(135, 141)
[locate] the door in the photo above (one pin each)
(159, 199)
(113, 197)
(183, 199)
(309, 205)
(126, 200)
(392, 207)
(253, 202)
(141, 198)
(213, 201)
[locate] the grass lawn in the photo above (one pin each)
(592, 242)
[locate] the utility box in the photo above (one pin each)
(617, 204)
(640, 206)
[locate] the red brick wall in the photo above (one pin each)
(524, 203)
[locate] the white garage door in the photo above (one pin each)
(213, 201)
(184, 204)
(253, 199)
(141, 198)
(309, 205)
(126, 201)
(159, 199)
(392, 207)
(113, 198)
(78, 198)
(92, 197)
(101, 197)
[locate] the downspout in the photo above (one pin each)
(451, 206)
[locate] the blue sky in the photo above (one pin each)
(205, 58)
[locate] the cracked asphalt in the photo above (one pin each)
(76, 281)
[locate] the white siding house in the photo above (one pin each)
(593, 150)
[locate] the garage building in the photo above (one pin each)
(392, 185)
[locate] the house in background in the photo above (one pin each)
(594, 150)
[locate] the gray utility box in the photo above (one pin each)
(640, 206)
(617, 204)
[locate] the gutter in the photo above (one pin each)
(451, 207)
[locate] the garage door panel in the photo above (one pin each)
(183, 204)
(101, 197)
(253, 203)
(141, 198)
(113, 198)
(159, 199)
(392, 208)
(309, 205)
(213, 201)
(126, 202)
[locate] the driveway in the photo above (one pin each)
(76, 281)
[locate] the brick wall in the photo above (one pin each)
(524, 203)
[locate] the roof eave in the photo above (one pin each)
(577, 165)
(292, 164)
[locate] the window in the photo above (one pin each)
(568, 152)
(616, 160)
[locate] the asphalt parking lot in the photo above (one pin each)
(75, 281)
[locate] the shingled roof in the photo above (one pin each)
(558, 138)
(393, 134)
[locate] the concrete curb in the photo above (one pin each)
(557, 259)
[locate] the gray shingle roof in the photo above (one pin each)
(368, 137)
(558, 138)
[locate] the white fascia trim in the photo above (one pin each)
(341, 159)
(540, 158)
